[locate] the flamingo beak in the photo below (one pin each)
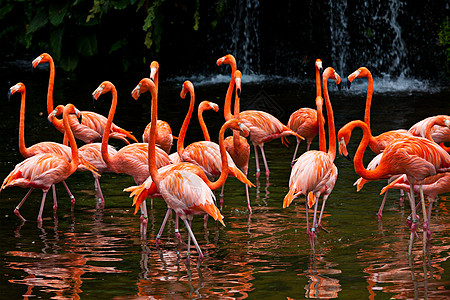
(9, 94)
(79, 115)
(36, 61)
(220, 61)
(349, 83)
(152, 74)
(214, 106)
(136, 92)
(244, 129)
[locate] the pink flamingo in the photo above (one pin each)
(41, 171)
(304, 120)
(439, 131)
(205, 105)
(148, 188)
(164, 137)
(314, 173)
(184, 192)
(263, 126)
(93, 125)
(236, 144)
(44, 147)
(416, 157)
(206, 154)
(131, 159)
(92, 153)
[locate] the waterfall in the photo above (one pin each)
(245, 36)
(374, 39)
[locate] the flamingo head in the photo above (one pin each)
(187, 87)
(361, 72)
(343, 138)
(331, 73)
(318, 65)
(143, 86)
(154, 67)
(18, 87)
(213, 106)
(235, 124)
(71, 109)
(44, 57)
(103, 88)
(59, 110)
(227, 59)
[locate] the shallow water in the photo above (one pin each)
(94, 252)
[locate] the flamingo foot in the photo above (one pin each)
(72, 200)
(17, 213)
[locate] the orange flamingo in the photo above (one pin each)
(263, 126)
(236, 144)
(184, 192)
(43, 147)
(206, 154)
(92, 153)
(164, 137)
(304, 120)
(416, 157)
(376, 143)
(422, 129)
(148, 188)
(41, 171)
(92, 127)
(314, 173)
(131, 159)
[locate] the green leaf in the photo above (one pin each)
(57, 12)
(39, 20)
(68, 62)
(87, 45)
(117, 45)
(5, 10)
(56, 42)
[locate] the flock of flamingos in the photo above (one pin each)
(414, 160)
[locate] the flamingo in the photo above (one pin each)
(304, 120)
(184, 192)
(164, 137)
(416, 157)
(314, 173)
(439, 131)
(205, 105)
(263, 126)
(422, 129)
(41, 171)
(237, 146)
(148, 188)
(206, 154)
(44, 147)
(92, 153)
(131, 159)
(376, 143)
(92, 127)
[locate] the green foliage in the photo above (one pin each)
(444, 40)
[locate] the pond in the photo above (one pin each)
(93, 252)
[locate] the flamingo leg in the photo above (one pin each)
(177, 231)
(101, 199)
(221, 193)
(191, 234)
(321, 211)
(71, 197)
(258, 170)
(413, 213)
(313, 229)
(16, 210)
(380, 211)
(265, 161)
(41, 209)
(144, 217)
(426, 228)
(166, 217)
(295, 152)
(55, 201)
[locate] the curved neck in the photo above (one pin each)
(51, 82)
(223, 155)
(227, 104)
(22, 148)
(368, 99)
(203, 124)
(330, 117)
(237, 110)
(358, 159)
(152, 140)
(105, 138)
(435, 121)
(73, 145)
(187, 119)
